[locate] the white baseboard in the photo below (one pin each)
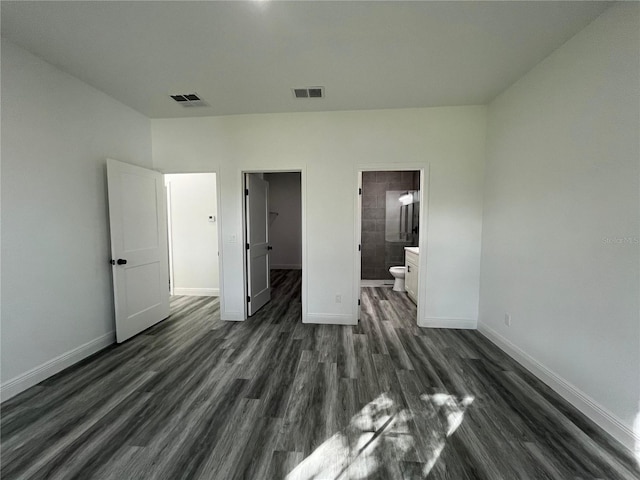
(330, 318)
(42, 372)
(376, 283)
(232, 316)
(197, 292)
(286, 266)
(576, 397)
(444, 322)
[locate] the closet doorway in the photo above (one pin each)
(273, 234)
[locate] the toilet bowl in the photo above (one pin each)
(398, 274)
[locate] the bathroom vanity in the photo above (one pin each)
(411, 255)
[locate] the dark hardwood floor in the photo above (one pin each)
(271, 398)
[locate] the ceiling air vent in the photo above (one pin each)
(189, 100)
(308, 92)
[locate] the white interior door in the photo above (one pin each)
(257, 218)
(359, 242)
(138, 220)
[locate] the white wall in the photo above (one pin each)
(285, 228)
(330, 147)
(193, 238)
(56, 280)
(561, 191)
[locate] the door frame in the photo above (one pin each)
(168, 194)
(303, 206)
(218, 225)
(423, 168)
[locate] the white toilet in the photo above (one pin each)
(398, 274)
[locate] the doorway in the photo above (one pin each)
(192, 220)
(273, 234)
(389, 226)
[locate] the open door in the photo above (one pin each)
(359, 243)
(138, 220)
(257, 228)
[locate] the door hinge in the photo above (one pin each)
(248, 298)
(359, 191)
(246, 191)
(358, 301)
(247, 246)
(359, 247)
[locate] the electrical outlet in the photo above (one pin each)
(338, 298)
(507, 319)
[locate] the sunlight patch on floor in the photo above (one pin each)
(381, 433)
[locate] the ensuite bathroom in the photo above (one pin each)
(390, 229)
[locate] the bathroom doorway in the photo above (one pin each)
(389, 223)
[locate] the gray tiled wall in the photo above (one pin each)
(378, 255)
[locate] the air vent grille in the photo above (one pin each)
(189, 100)
(308, 92)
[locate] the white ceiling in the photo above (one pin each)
(244, 57)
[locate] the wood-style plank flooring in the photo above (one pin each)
(271, 398)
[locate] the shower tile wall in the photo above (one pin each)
(376, 256)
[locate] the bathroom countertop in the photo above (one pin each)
(415, 250)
